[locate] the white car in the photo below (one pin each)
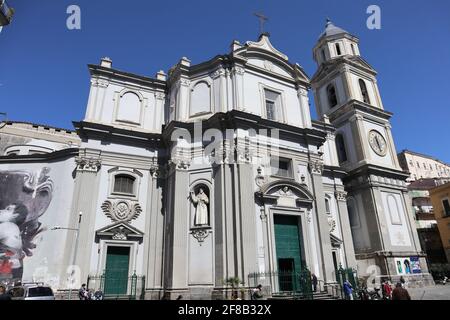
(33, 291)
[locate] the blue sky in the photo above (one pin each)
(44, 78)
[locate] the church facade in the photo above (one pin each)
(212, 171)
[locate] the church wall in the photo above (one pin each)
(395, 216)
(254, 99)
(123, 105)
(359, 225)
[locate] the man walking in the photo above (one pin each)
(400, 293)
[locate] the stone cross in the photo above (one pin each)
(262, 19)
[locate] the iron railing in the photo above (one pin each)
(296, 285)
(131, 287)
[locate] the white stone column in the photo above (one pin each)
(303, 99)
(84, 201)
(392, 150)
(349, 250)
(238, 87)
(183, 100)
(327, 266)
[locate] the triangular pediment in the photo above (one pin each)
(119, 231)
(335, 241)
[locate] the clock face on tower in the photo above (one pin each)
(377, 143)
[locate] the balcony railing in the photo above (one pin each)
(6, 13)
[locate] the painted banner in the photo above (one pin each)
(415, 265)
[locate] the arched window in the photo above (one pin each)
(364, 92)
(338, 49)
(340, 146)
(353, 49)
(332, 98)
(124, 184)
(327, 206)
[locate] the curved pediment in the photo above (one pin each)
(264, 44)
(265, 56)
(286, 193)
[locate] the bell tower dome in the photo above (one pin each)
(334, 42)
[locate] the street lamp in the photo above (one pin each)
(77, 231)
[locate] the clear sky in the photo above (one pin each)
(44, 78)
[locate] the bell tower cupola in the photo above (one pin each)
(333, 43)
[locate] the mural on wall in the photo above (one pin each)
(24, 198)
(404, 266)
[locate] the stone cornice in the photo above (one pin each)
(102, 131)
(354, 105)
(96, 70)
(47, 157)
(235, 118)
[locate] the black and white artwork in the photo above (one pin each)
(24, 198)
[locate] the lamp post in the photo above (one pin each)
(77, 232)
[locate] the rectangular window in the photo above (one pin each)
(273, 105)
(446, 205)
(270, 109)
(281, 167)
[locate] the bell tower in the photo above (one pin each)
(346, 93)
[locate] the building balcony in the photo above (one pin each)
(6, 13)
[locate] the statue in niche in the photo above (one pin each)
(201, 202)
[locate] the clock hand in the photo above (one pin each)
(378, 142)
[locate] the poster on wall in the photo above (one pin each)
(403, 266)
(415, 265)
(24, 198)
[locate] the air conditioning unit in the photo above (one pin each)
(6, 13)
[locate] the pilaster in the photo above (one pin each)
(349, 250)
(323, 228)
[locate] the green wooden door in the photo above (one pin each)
(288, 250)
(116, 273)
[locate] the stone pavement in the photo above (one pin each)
(437, 292)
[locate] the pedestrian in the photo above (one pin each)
(400, 293)
(3, 294)
(82, 292)
(257, 293)
(348, 290)
(387, 290)
(402, 281)
(314, 282)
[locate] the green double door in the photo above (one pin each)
(288, 250)
(116, 272)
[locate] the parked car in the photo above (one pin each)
(31, 291)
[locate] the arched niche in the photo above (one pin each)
(200, 98)
(200, 197)
(129, 107)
